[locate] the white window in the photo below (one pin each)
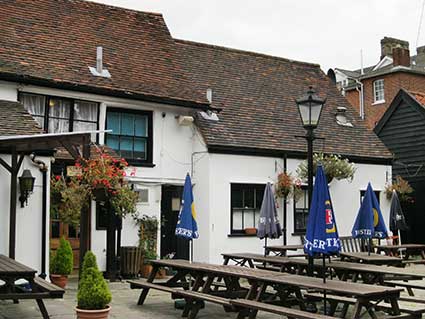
(378, 91)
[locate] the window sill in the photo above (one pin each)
(378, 102)
(241, 235)
(140, 164)
(298, 233)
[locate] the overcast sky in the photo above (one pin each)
(328, 32)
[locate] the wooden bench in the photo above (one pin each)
(353, 245)
(191, 309)
(408, 285)
(411, 308)
(279, 310)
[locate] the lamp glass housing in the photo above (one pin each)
(26, 181)
(310, 107)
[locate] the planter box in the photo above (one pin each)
(131, 260)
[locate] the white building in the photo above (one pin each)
(146, 89)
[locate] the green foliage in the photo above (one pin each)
(89, 261)
(68, 197)
(403, 189)
(334, 166)
(124, 201)
(148, 230)
(62, 262)
(93, 291)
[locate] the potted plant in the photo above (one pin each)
(334, 166)
(93, 295)
(61, 263)
(403, 189)
(149, 254)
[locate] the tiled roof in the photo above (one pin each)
(53, 42)
(257, 94)
(15, 120)
(419, 96)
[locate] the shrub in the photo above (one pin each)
(62, 262)
(93, 291)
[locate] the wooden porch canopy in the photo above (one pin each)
(76, 143)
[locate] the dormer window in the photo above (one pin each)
(378, 91)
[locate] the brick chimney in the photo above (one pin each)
(388, 44)
(420, 56)
(401, 57)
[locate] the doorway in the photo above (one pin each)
(59, 229)
(170, 207)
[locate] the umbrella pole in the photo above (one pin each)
(265, 245)
(324, 281)
(368, 246)
(399, 242)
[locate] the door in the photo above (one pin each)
(59, 229)
(170, 208)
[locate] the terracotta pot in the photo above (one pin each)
(250, 231)
(92, 314)
(146, 270)
(59, 280)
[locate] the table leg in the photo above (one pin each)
(357, 310)
(145, 291)
(190, 309)
(253, 312)
(394, 306)
(42, 308)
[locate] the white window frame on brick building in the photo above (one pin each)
(378, 91)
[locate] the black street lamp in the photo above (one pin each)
(310, 107)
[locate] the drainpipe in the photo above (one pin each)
(361, 96)
(43, 169)
(285, 208)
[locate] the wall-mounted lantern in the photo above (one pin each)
(26, 186)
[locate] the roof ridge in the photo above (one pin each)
(115, 7)
(246, 52)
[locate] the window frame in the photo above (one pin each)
(304, 211)
(149, 138)
(71, 119)
(375, 84)
(377, 194)
(244, 186)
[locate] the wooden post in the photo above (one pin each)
(85, 212)
(111, 265)
(13, 200)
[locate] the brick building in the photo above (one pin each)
(371, 90)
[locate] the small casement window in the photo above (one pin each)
(131, 135)
(246, 202)
(378, 91)
(301, 211)
(58, 114)
(363, 192)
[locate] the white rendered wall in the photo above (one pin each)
(28, 219)
(227, 169)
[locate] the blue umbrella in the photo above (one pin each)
(369, 221)
(322, 233)
(186, 225)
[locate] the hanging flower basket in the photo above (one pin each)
(100, 194)
(334, 166)
(403, 189)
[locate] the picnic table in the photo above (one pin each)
(372, 258)
(36, 288)
(368, 273)
(282, 250)
(408, 251)
(247, 300)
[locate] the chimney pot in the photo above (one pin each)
(388, 44)
(420, 56)
(401, 56)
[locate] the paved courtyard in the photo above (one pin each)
(158, 305)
